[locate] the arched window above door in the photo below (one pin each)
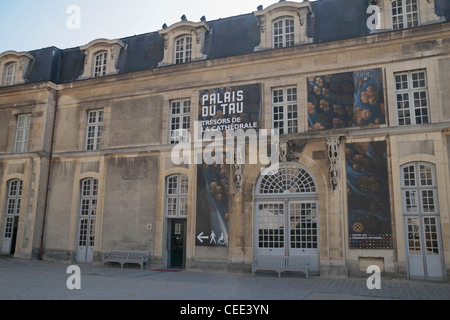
(287, 180)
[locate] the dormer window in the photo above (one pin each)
(183, 41)
(283, 33)
(405, 14)
(100, 64)
(283, 24)
(13, 66)
(183, 50)
(101, 58)
(402, 14)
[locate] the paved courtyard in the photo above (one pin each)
(26, 280)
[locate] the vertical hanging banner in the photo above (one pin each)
(221, 110)
(213, 203)
(369, 214)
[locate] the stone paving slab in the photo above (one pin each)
(40, 280)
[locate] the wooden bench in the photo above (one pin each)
(280, 264)
(124, 256)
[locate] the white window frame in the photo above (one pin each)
(411, 92)
(285, 110)
(87, 217)
(179, 121)
(177, 196)
(283, 34)
(100, 64)
(13, 202)
(94, 129)
(419, 189)
(22, 133)
(183, 49)
(421, 217)
(405, 14)
(10, 74)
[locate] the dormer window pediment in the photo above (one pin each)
(101, 58)
(183, 41)
(13, 66)
(283, 24)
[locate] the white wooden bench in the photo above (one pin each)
(124, 256)
(280, 264)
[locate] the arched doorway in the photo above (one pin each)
(286, 215)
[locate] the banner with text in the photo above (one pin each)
(231, 108)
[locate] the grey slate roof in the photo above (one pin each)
(331, 20)
(337, 20)
(442, 8)
(232, 36)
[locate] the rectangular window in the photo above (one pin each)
(412, 98)
(303, 225)
(10, 74)
(405, 14)
(183, 50)
(13, 207)
(179, 121)
(285, 110)
(283, 33)
(271, 225)
(100, 64)
(413, 235)
(94, 129)
(176, 196)
(22, 133)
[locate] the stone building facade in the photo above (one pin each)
(358, 91)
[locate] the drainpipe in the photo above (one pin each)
(50, 157)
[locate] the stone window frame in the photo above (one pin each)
(112, 49)
(267, 17)
(184, 28)
(21, 61)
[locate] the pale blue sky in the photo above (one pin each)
(27, 25)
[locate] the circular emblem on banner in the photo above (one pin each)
(358, 227)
